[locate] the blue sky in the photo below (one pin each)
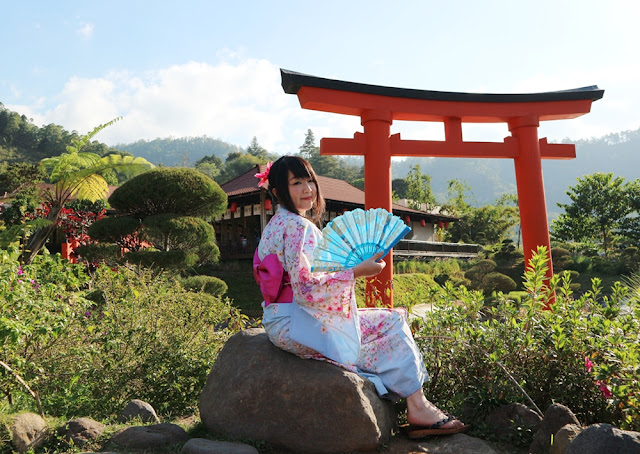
(192, 68)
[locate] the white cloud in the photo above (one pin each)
(235, 102)
(86, 31)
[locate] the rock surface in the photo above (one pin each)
(204, 446)
(563, 438)
(448, 444)
(138, 409)
(145, 437)
(259, 392)
(604, 438)
(28, 431)
(555, 418)
(81, 430)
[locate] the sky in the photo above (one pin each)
(192, 68)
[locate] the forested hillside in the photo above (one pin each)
(489, 178)
(182, 151)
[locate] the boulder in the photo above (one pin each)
(147, 437)
(555, 418)
(138, 409)
(28, 431)
(507, 420)
(257, 391)
(204, 446)
(81, 430)
(563, 438)
(599, 438)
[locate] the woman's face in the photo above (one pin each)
(303, 192)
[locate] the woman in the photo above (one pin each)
(314, 315)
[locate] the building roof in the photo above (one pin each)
(332, 190)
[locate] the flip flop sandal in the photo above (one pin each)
(416, 431)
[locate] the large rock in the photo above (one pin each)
(555, 418)
(603, 438)
(28, 431)
(257, 391)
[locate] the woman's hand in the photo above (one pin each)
(369, 267)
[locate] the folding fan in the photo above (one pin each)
(355, 237)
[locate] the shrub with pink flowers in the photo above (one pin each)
(583, 352)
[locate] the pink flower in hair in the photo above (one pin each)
(264, 176)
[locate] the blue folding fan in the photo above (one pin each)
(355, 237)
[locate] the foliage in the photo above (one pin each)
(469, 348)
(207, 284)
(15, 177)
(78, 173)
(600, 205)
(134, 335)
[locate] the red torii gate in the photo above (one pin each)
(377, 106)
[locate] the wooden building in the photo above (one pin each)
(249, 208)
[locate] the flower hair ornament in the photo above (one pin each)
(264, 176)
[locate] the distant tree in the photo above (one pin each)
(257, 150)
(399, 187)
(238, 163)
(78, 173)
(419, 188)
(489, 224)
(601, 205)
(309, 148)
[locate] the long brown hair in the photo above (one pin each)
(279, 180)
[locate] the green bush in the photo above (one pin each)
(112, 228)
(498, 282)
(138, 336)
(207, 284)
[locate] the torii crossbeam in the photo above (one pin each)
(378, 106)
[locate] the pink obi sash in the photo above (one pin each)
(274, 282)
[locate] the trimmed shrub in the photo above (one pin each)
(207, 284)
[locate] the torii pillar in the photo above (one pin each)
(377, 106)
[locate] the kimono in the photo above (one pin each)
(314, 315)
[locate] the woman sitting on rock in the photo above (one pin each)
(314, 314)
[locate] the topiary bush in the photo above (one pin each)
(207, 284)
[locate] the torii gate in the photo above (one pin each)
(377, 106)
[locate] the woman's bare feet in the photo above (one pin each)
(421, 412)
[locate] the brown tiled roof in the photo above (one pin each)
(332, 189)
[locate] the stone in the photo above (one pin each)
(504, 421)
(447, 444)
(144, 437)
(81, 430)
(555, 418)
(604, 438)
(28, 431)
(257, 391)
(563, 438)
(204, 446)
(138, 409)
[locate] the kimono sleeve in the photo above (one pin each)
(326, 292)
